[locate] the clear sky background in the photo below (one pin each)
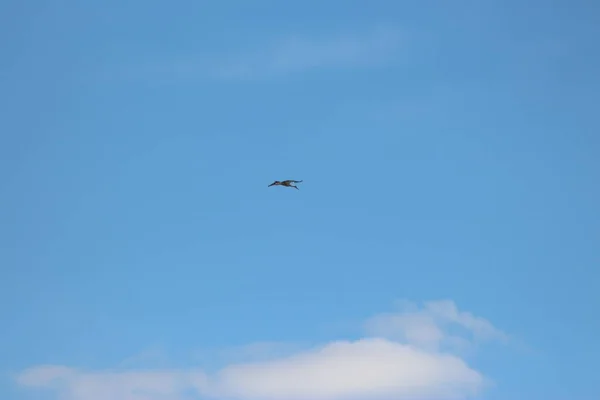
(444, 242)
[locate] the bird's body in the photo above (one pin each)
(288, 183)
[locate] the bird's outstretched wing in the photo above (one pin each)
(292, 181)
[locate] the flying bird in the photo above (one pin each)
(288, 183)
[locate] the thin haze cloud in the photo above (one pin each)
(396, 359)
(296, 53)
(290, 55)
(424, 327)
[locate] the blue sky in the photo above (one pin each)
(444, 240)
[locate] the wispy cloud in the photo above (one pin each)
(259, 351)
(288, 55)
(298, 53)
(408, 366)
(426, 327)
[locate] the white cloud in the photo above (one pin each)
(401, 360)
(368, 368)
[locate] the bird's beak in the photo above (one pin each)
(271, 184)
